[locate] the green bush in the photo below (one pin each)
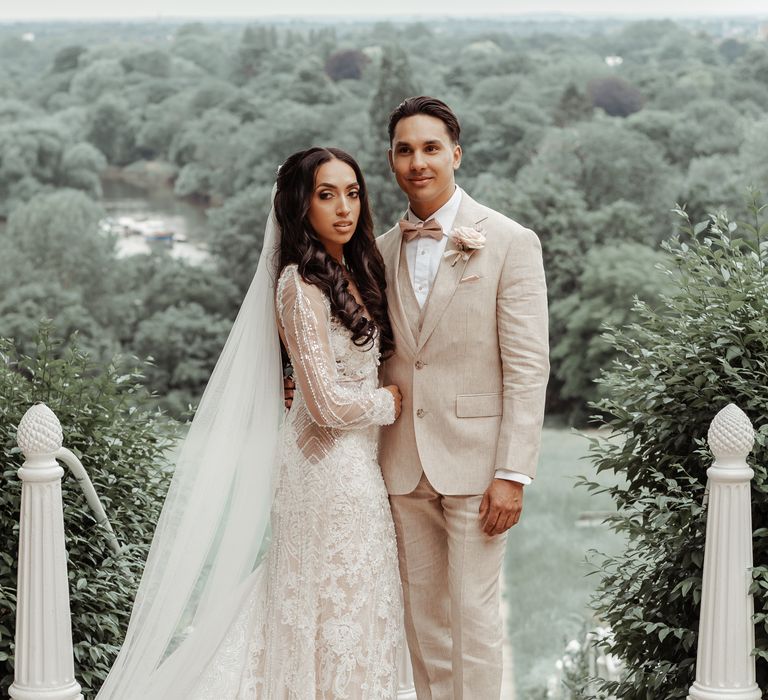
(110, 425)
(704, 347)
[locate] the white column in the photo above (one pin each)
(725, 669)
(44, 664)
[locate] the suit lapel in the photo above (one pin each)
(448, 274)
(392, 274)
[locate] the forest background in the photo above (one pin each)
(588, 131)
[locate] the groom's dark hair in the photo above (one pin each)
(430, 106)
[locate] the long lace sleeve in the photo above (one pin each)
(331, 401)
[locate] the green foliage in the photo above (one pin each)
(238, 232)
(112, 129)
(39, 155)
(396, 82)
(122, 443)
(183, 343)
(606, 162)
(612, 276)
(61, 256)
(347, 64)
(705, 347)
(223, 104)
(573, 106)
(616, 97)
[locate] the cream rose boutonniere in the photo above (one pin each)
(467, 241)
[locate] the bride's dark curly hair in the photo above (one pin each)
(300, 245)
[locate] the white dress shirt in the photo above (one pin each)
(423, 255)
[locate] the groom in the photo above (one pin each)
(468, 305)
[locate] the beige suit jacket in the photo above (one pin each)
(474, 381)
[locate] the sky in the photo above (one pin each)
(96, 9)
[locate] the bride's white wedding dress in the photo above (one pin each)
(323, 619)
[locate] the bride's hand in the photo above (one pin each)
(392, 389)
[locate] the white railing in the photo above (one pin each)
(725, 668)
(44, 664)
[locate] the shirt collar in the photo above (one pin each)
(446, 214)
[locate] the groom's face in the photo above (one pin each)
(423, 158)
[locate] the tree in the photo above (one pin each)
(606, 162)
(154, 63)
(204, 150)
(98, 79)
(80, 168)
(612, 275)
(28, 303)
(59, 234)
(346, 65)
(615, 96)
(395, 83)
(238, 233)
(573, 106)
(714, 183)
(32, 153)
(67, 59)
(503, 138)
(255, 44)
(732, 49)
(112, 129)
(182, 343)
(704, 128)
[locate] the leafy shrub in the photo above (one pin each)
(109, 425)
(706, 346)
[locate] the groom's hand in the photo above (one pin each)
(288, 388)
(501, 506)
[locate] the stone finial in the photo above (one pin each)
(731, 435)
(39, 431)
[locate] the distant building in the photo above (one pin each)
(28, 36)
(613, 61)
(762, 32)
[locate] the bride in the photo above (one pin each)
(273, 570)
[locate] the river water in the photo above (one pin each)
(188, 220)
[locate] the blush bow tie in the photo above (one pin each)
(430, 228)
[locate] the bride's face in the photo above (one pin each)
(335, 206)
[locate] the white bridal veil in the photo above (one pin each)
(214, 523)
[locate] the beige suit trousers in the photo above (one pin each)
(452, 622)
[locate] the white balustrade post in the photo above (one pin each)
(405, 687)
(725, 669)
(44, 664)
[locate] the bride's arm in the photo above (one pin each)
(306, 327)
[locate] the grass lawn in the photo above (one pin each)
(547, 588)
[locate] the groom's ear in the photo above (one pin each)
(390, 160)
(457, 153)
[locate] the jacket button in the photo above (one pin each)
(419, 364)
(420, 413)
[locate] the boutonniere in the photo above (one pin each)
(467, 240)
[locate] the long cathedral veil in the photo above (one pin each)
(214, 523)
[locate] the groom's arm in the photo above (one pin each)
(522, 321)
(523, 328)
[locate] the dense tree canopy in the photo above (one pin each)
(587, 132)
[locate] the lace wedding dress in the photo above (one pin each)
(323, 618)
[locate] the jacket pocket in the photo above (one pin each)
(478, 405)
